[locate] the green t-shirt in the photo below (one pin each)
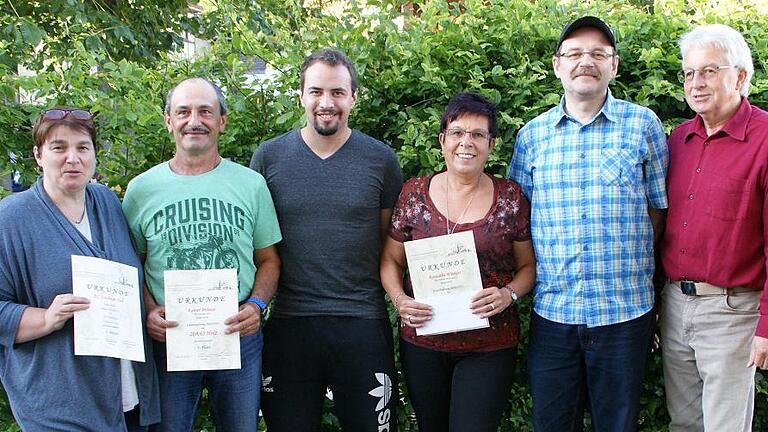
(208, 221)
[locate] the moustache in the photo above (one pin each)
(195, 129)
(585, 71)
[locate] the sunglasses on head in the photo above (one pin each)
(80, 115)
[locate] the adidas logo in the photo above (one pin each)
(266, 382)
(384, 393)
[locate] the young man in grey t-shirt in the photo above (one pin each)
(334, 189)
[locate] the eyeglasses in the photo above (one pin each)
(707, 72)
(575, 55)
(80, 115)
(476, 135)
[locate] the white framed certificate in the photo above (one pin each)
(445, 274)
(111, 326)
(199, 301)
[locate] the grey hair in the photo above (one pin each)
(727, 39)
(216, 89)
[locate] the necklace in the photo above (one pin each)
(448, 209)
(82, 216)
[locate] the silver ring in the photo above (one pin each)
(492, 306)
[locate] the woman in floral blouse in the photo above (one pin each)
(461, 381)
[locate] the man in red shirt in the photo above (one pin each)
(714, 249)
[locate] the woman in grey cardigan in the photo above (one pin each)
(63, 214)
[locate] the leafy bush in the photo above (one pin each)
(411, 58)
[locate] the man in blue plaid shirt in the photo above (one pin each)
(593, 168)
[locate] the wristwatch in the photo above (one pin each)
(512, 293)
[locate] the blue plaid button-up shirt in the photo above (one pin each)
(590, 186)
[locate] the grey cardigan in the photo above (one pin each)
(49, 388)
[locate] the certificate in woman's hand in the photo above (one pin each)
(111, 326)
(445, 275)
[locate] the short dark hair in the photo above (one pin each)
(470, 103)
(331, 57)
(216, 89)
(43, 127)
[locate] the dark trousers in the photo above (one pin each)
(458, 392)
(132, 418)
(570, 366)
(353, 357)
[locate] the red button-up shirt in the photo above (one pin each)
(717, 223)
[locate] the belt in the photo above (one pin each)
(693, 288)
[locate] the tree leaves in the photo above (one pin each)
(138, 30)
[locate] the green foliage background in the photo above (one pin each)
(113, 58)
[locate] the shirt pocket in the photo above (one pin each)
(617, 167)
(728, 199)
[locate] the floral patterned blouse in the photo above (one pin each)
(416, 217)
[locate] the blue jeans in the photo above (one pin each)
(571, 366)
(233, 395)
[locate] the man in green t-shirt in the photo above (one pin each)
(199, 211)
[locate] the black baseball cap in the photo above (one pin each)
(587, 21)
